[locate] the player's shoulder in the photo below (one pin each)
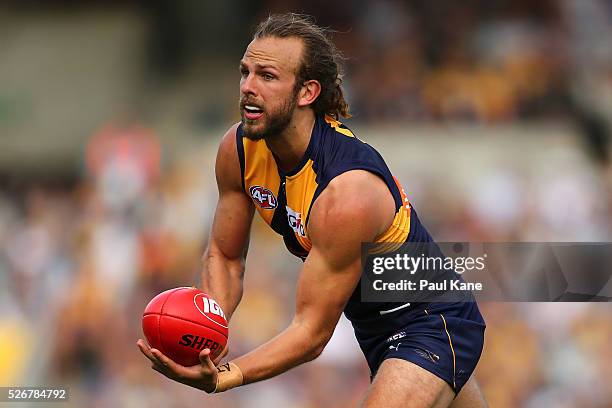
(337, 126)
(356, 197)
(227, 167)
(356, 183)
(340, 144)
(227, 146)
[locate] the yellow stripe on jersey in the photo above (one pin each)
(260, 170)
(450, 342)
(300, 189)
(336, 125)
(398, 232)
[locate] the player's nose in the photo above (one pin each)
(247, 85)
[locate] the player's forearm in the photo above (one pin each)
(222, 279)
(296, 345)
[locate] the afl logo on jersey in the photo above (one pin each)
(263, 197)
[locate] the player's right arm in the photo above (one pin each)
(225, 255)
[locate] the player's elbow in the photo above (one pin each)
(314, 334)
(312, 352)
(316, 345)
(317, 350)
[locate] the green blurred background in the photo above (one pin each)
(494, 114)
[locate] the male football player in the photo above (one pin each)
(325, 192)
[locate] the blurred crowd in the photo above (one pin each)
(82, 252)
(475, 61)
(490, 62)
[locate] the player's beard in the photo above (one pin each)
(275, 122)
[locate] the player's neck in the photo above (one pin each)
(289, 147)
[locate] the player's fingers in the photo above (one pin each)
(217, 360)
(169, 365)
(155, 363)
(206, 361)
(146, 350)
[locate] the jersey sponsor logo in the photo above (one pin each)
(295, 222)
(263, 197)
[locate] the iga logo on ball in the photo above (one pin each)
(210, 309)
(180, 322)
(263, 197)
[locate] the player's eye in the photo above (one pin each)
(267, 76)
(244, 72)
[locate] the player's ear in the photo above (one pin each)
(309, 92)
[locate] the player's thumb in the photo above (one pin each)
(205, 359)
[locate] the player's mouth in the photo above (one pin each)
(252, 112)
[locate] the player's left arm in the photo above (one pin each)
(356, 207)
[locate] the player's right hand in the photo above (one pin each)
(202, 376)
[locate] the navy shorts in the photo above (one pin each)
(445, 339)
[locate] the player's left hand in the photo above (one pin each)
(202, 376)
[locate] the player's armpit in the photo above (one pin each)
(330, 273)
(224, 258)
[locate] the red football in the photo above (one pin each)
(181, 322)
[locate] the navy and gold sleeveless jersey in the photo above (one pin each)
(443, 338)
(284, 199)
